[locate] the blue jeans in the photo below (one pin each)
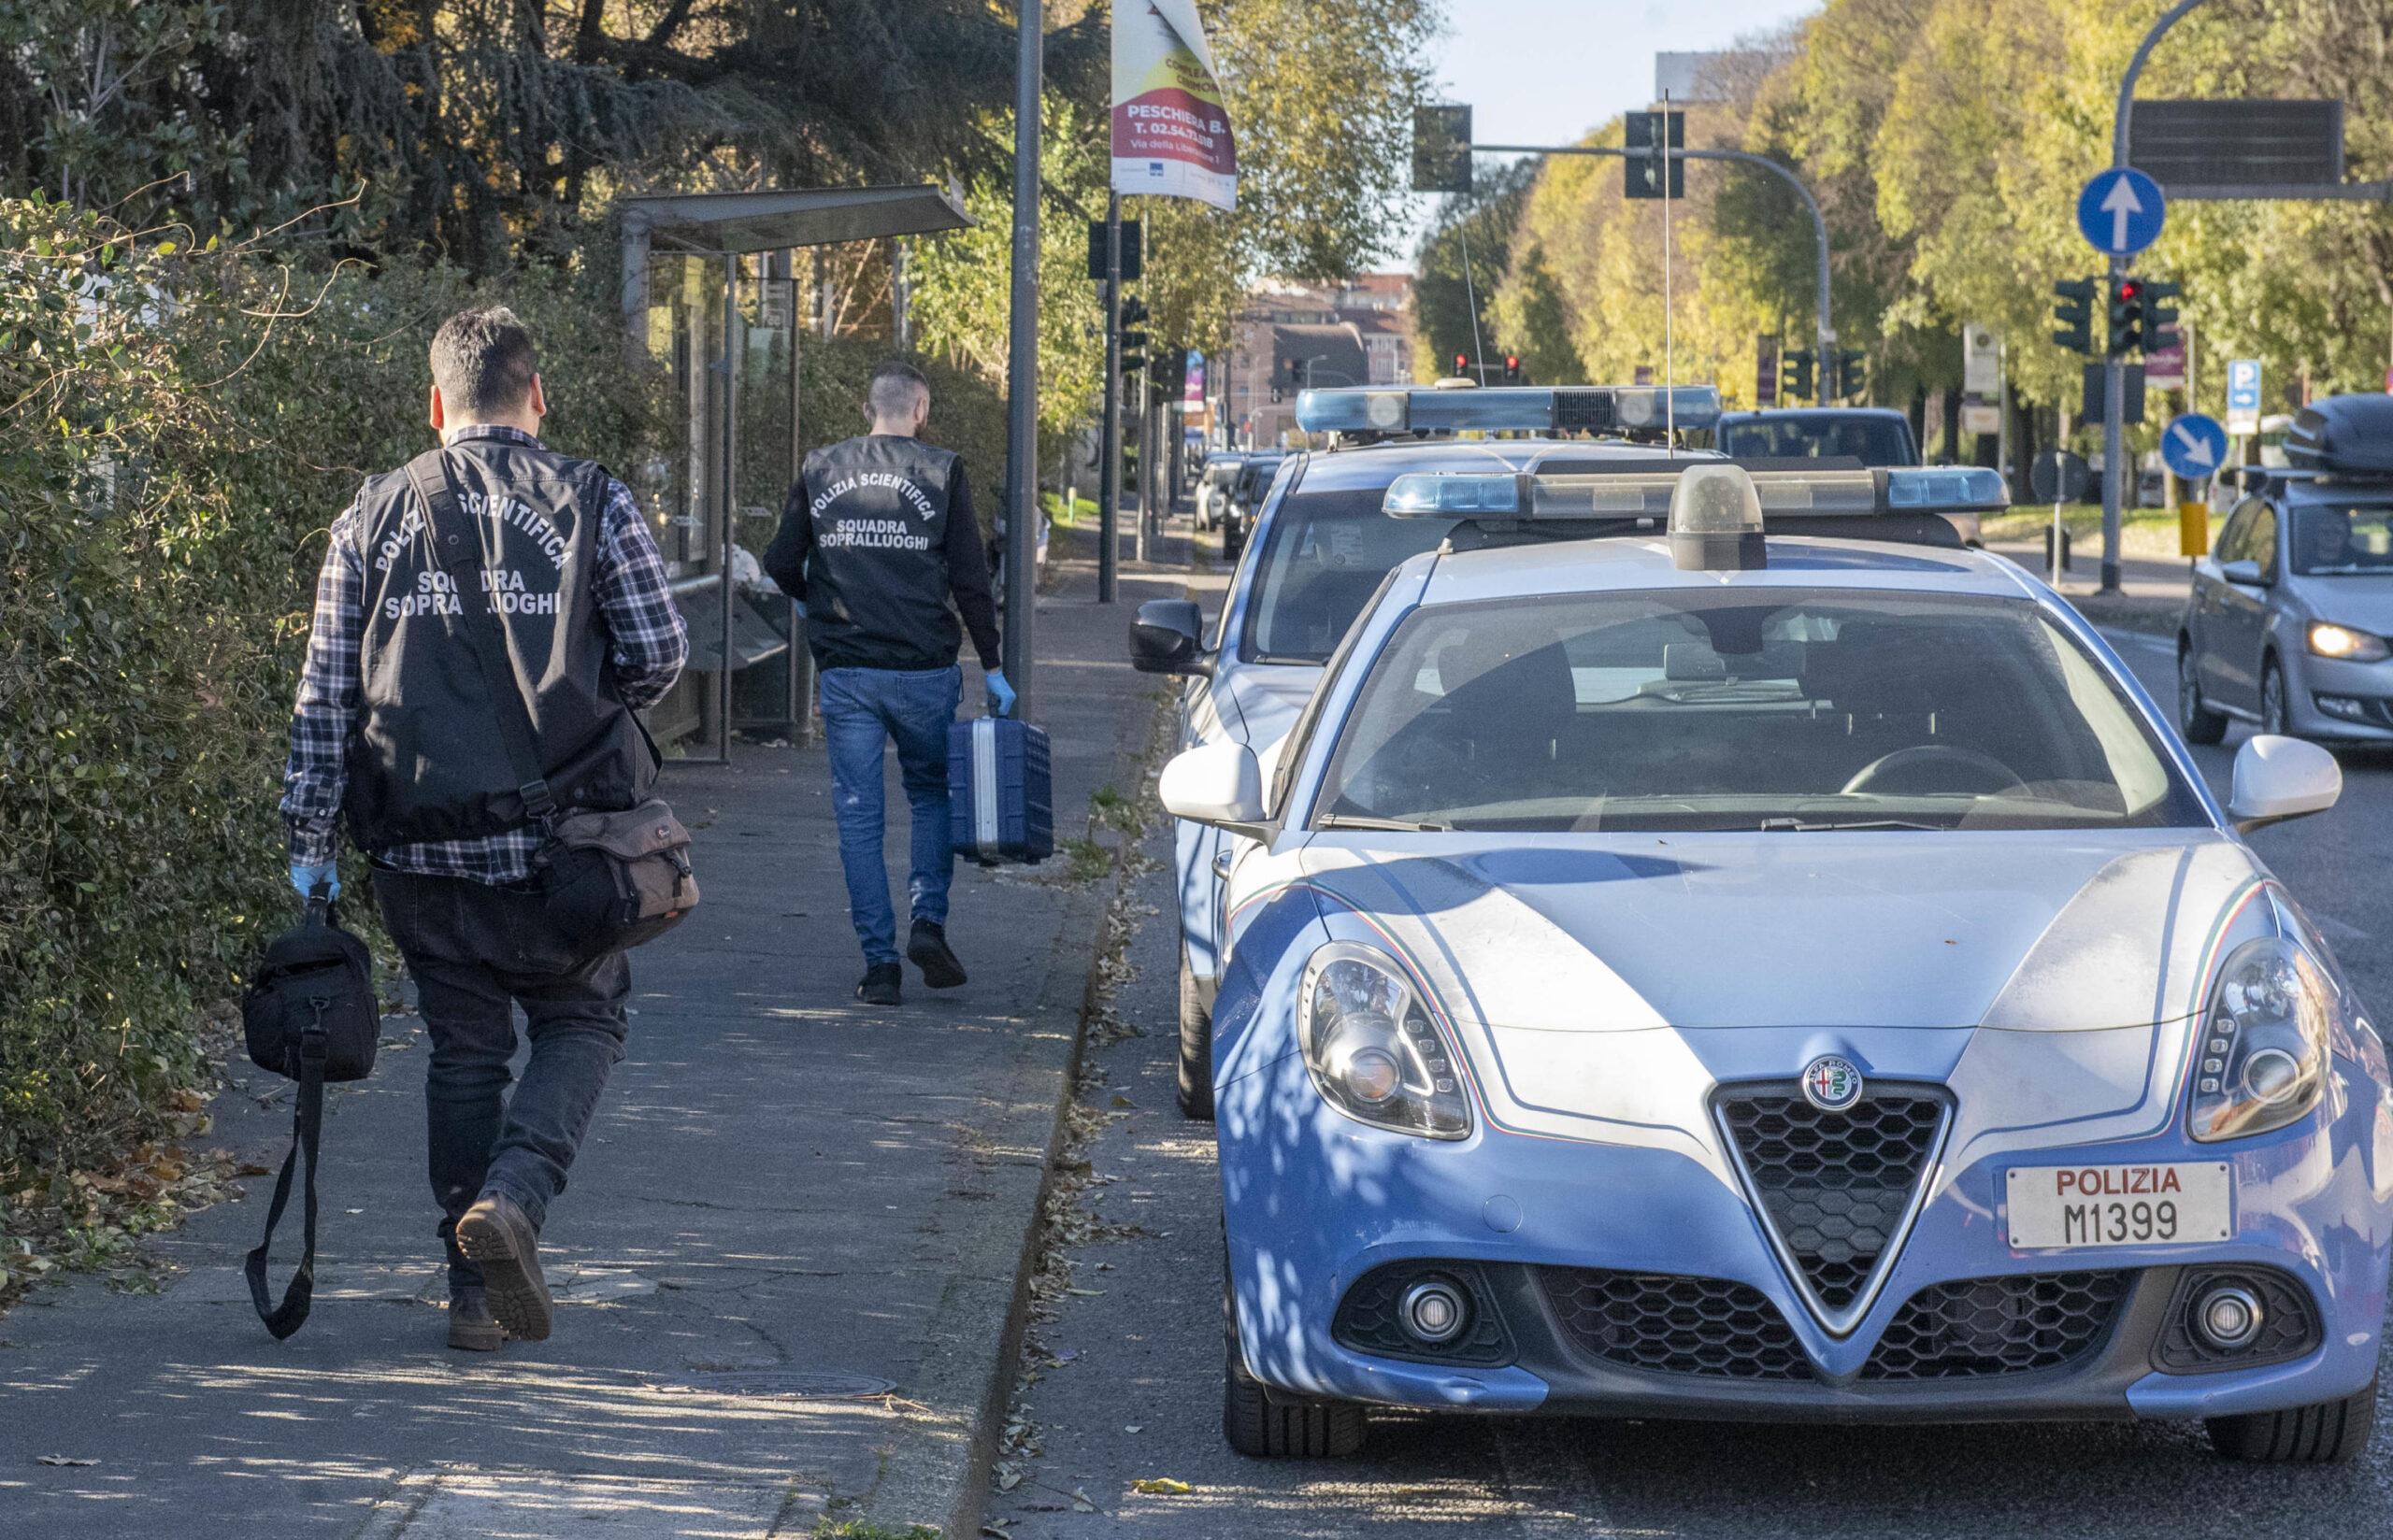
(864, 709)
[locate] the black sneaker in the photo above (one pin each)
(472, 1326)
(500, 1239)
(879, 986)
(927, 945)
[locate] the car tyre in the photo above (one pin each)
(1270, 1424)
(2330, 1433)
(2198, 721)
(2272, 709)
(1195, 1092)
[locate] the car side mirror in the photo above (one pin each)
(1166, 638)
(1216, 783)
(2278, 779)
(2247, 572)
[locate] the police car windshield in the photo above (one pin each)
(1869, 438)
(1325, 557)
(1770, 709)
(2343, 538)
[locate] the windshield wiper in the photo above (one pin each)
(1366, 820)
(1797, 826)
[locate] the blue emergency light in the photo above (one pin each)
(1529, 408)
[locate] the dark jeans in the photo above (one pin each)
(863, 711)
(476, 952)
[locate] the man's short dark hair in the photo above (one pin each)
(894, 388)
(483, 362)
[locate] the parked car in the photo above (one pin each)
(2288, 621)
(1247, 489)
(1213, 483)
(1766, 972)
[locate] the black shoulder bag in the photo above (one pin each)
(613, 879)
(308, 1014)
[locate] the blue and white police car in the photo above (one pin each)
(1322, 546)
(1714, 947)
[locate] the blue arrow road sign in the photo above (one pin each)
(2195, 446)
(2120, 211)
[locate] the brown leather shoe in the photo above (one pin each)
(472, 1328)
(500, 1239)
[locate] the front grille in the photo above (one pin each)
(1677, 1325)
(1834, 1186)
(1997, 1326)
(1366, 1318)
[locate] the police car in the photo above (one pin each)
(1322, 546)
(1715, 947)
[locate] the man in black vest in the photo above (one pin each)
(879, 546)
(395, 725)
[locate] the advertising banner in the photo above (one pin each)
(1172, 134)
(1191, 395)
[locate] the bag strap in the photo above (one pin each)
(308, 1125)
(458, 549)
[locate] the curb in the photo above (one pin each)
(935, 1471)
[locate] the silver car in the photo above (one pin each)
(2288, 623)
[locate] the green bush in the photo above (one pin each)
(180, 428)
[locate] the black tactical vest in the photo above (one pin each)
(877, 586)
(426, 761)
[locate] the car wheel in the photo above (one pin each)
(1196, 1050)
(2272, 697)
(2199, 722)
(2328, 1433)
(1271, 1425)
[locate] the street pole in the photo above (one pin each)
(1146, 478)
(1022, 363)
(1108, 448)
(2114, 366)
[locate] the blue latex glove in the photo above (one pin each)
(1001, 695)
(308, 879)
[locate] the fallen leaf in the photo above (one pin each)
(1081, 1503)
(1134, 1427)
(1122, 1101)
(63, 1460)
(1161, 1486)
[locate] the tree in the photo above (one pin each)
(1480, 224)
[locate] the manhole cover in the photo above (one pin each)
(791, 1383)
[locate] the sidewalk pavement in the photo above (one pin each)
(787, 1267)
(2152, 589)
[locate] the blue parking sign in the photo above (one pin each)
(2194, 446)
(2121, 210)
(2243, 395)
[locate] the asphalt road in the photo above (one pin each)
(1129, 1385)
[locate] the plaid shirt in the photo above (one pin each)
(651, 645)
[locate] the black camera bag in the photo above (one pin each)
(309, 1014)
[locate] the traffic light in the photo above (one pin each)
(1461, 363)
(1648, 167)
(1795, 375)
(2160, 323)
(1852, 374)
(2126, 316)
(1512, 368)
(2073, 317)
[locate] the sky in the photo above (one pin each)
(1546, 71)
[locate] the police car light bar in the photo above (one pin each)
(1646, 492)
(1560, 408)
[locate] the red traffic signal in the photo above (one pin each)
(1461, 363)
(1512, 368)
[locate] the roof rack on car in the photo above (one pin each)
(1391, 409)
(1714, 511)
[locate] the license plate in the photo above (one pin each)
(2092, 1205)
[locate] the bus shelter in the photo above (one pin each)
(710, 292)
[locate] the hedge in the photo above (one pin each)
(178, 429)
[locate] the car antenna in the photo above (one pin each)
(1669, 363)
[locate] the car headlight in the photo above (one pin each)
(2329, 640)
(1373, 1051)
(2260, 1054)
